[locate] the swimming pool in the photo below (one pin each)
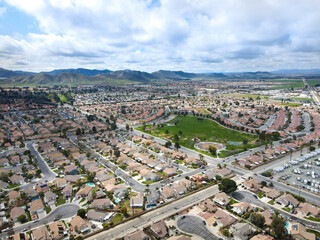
(116, 200)
(90, 184)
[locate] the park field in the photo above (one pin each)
(188, 128)
(253, 96)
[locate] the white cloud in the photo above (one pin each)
(2, 10)
(189, 35)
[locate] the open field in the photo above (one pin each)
(291, 104)
(206, 130)
(302, 99)
(253, 96)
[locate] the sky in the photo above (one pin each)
(148, 35)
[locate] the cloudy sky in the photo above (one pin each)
(148, 35)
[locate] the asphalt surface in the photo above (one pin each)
(156, 215)
(195, 226)
(245, 196)
(64, 211)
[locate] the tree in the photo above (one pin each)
(124, 211)
(78, 132)
(278, 226)
(127, 127)
(38, 172)
(94, 129)
(213, 150)
(176, 138)
(245, 141)
(227, 185)
(177, 145)
(201, 157)
(257, 219)
(168, 144)
(81, 212)
(22, 218)
(312, 148)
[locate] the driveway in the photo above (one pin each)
(195, 225)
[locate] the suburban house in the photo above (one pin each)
(57, 230)
(16, 212)
(221, 199)
(139, 235)
(41, 233)
(99, 216)
(159, 229)
(308, 210)
(241, 207)
(137, 201)
(102, 203)
(84, 192)
(287, 200)
(223, 218)
(79, 225)
(36, 206)
(271, 193)
(241, 231)
(50, 198)
(299, 232)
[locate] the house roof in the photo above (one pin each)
(41, 233)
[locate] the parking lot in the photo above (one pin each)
(302, 172)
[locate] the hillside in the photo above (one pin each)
(84, 71)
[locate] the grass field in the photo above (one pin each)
(291, 104)
(289, 85)
(253, 96)
(313, 82)
(62, 97)
(206, 130)
(303, 99)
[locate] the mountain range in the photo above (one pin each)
(82, 75)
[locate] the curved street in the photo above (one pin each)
(195, 225)
(64, 211)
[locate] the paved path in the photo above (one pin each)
(195, 225)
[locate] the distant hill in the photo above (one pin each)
(77, 78)
(4, 73)
(136, 76)
(297, 71)
(93, 76)
(84, 71)
(165, 74)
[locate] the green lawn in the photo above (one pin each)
(315, 219)
(302, 99)
(271, 202)
(61, 201)
(287, 209)
(291, 104)
(48, 209)
(13, 186)
(206, 130)
(261, 194)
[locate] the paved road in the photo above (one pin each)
(155, 215)
(49, 175)
(61, 212)
(246, 196)
(195, 226)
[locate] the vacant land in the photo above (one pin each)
(188, 128)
